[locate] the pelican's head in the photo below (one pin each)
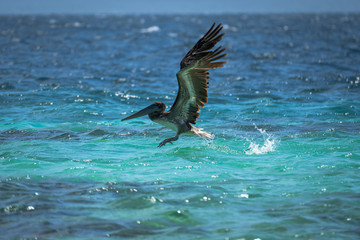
(154, 109)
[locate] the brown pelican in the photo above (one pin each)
(192, 95)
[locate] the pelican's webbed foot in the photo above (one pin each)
(168, 140)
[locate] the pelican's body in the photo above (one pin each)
(192, 95)
(179, 125)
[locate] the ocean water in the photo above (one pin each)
(284, 163)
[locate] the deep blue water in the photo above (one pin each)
(284, 163)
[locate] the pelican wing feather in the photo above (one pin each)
(193, 76)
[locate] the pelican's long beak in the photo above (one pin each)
(141, 113)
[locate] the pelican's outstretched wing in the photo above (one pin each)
(193, 76)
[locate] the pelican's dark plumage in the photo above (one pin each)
(193, 84)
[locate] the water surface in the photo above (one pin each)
(284, 162)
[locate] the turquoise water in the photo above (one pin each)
(284, 163)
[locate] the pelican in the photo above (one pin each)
(193, 84)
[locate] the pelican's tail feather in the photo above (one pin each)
(201, 133)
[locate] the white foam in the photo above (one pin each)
(173, 35)
(227, 27)
(150, 29)
(268, 145)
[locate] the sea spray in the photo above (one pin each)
(269, 144)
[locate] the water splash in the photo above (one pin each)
(268, 145)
